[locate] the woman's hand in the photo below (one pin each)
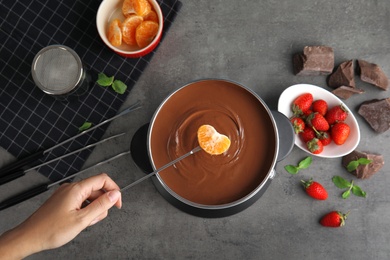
(62, 217)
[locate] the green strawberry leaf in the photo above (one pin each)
(85, 126)
(119, 86)
(357, 191)
(305, 163)
(104, 80)
(291, 169)
(346, 194)
(341, 183)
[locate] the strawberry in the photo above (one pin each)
(317, 121)
(315, 190)
(307, 113)
(334, 219)
(302, 103)
(336, 114)
(298, 124)
(340, 132)
(315, 146)
(320, 106)
(307, 134)
(324, 137)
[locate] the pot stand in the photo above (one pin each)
(139, 153)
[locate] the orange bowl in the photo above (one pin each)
(112, 9)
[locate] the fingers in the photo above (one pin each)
(92, 187)
(98, 209)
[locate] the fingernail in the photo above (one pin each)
(114, 195)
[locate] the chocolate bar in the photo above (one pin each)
(377, 113)
(364, 171)
(373, 74)
(315, 60)
(343, 76)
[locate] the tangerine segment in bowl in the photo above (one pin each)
(139, 7)
(115, 33)
(145, 33)
(211, 141)
(129, 27)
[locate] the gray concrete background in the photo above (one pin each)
(251, 42)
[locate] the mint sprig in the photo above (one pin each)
(85, 126)
(342, 183)
(305, 163)
(352, 165)
(117, 85)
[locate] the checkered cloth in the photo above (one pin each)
(31, 120)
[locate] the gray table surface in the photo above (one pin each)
(251, 42)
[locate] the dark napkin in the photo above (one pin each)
(31, 120)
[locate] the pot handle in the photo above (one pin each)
(286, 134)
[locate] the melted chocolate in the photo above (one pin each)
(213, 179)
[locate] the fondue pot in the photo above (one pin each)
(213, 185)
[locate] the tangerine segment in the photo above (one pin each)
(211, 141)
(114, 33)
(129, 27)
(151, 16)
(139, 7)
(145, 33)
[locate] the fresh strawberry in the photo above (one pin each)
(324, 137)
(315, 190)
(336, 114)
(340, 132)
(302, 103)
(307, 113)
(334, 219)
(320, 106)
(307, 134)
(317, 121)
(315, 146)
(298, 124)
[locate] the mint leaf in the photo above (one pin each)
(104, 80)
(346, 194)
(119, 86)
(305, 163)
(85, 126)
(352, 165)
(341, 183)
(357, 191)
(291, 169)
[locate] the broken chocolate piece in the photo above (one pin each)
(373, 74)
(315, 60)
(343, 76)
(345, 92)
(377, 114)
(364, 171)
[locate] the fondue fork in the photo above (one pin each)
(197, 149)
(10, 168)
(46, 186)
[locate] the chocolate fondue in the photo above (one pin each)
(233, 111)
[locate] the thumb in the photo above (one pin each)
(98, 209)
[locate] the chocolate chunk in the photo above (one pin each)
(373, 74)
(364, 171)
(343, 76)
(345, 92)
(377, 114)
(315, 60)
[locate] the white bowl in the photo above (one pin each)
(332, 150)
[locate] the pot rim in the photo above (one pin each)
(247, 197)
